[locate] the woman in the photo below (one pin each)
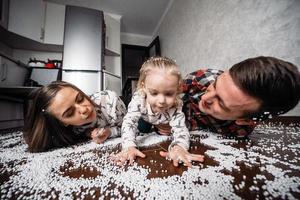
(60, 114)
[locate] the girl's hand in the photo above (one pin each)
(127, 155)
(179, 155)
(99, 135)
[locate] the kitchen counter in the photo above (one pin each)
(19, 92)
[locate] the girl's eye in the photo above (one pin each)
(153, 93)
(169, 94)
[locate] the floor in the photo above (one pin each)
(265, 167)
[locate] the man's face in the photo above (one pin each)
(224, 100)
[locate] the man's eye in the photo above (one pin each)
(223, 107)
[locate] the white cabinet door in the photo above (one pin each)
(88, 82)
(112, 40)
(12, 74)
(26, 18)
(54, 23)
(112, 82)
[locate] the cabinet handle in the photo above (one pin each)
(42, 34)
(4, 72)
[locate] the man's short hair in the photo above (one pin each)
(273, 81)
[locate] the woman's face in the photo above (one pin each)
(72, 108)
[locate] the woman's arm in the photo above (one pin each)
(116, 113)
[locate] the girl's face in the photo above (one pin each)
(161, 89)
(72, 108)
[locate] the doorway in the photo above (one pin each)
(133, 56)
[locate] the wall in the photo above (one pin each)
(135, 39)
(218, 34)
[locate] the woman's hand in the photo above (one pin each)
(99, 135)
(179, 155)
(126, 155)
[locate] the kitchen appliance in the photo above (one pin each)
(83, 55)
(43, 76)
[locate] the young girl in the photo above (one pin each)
(156, 101)
(60, 114)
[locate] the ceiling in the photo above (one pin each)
(138, 16)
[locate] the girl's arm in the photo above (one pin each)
(178, 149)
(129, 129)
(179, 130)
(130, 122)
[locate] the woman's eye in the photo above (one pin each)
(70, 113)
(80, 98)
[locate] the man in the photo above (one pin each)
(231, 102)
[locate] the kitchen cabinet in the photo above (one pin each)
(26, 18)
(11, 115)
(12, 74)
(112, 73)
(37, 20)
(4, 13)
(54, 23)
(112, 82)
(112, 33)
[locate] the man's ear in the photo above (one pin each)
(245, 122)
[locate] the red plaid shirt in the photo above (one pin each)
(194, 85)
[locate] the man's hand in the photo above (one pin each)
(99, 135)
(179, 155)
(126, 155)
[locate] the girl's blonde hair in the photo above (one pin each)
(160, 63)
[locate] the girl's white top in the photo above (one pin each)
(139, 108)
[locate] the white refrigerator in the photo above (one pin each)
(83, 55)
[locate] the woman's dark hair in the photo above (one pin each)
(273, 81)
(42, 131)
